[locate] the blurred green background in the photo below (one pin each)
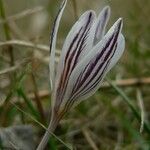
(104, 122)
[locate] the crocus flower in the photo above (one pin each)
(86, 57)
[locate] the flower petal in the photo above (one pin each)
(78, 41)
(53, 42)
(119, 51)
(101, 23)
(75, 46)
(88, 74)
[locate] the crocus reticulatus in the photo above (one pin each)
(87, 55)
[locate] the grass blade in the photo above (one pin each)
(28, 103)
(127, 100)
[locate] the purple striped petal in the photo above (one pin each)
(87, 76)
(119, 51)
(75, 46)
(101, 23)
(53, 43)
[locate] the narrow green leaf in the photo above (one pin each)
(28, 103)
(127, 100)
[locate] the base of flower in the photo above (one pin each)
(55, 119)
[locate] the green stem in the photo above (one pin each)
(55, 119)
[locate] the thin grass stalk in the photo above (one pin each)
(127, 125)
(22, 117)
(142, 108)
(37, 100)
(128, 102)
(28, 103)
(4, 108)
(7, 32)
(8, 37)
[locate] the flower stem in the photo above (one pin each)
(51, 128)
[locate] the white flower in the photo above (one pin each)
(86, 57)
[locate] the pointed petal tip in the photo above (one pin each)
(53, 42)
(120, 20)
(107, 9)
(119, 24)
(63, 4)
(91, 12)
(88, 14)
(64, 1)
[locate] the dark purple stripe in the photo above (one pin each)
(74, 97)
(75, 49)
(80, 44)
(103, 21)
(78, 80)
(67, 55)
(93, 65)
(72, 43)
(97, 81)
(100, 77)
(83, 39)
(54, 24)
(62, 86)
(73, 56)
(81, 93)
(81, 48)
(109, 52)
